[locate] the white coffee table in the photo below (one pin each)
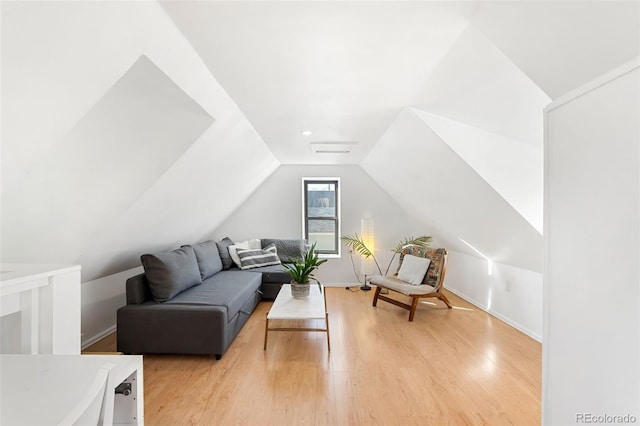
(285, 307)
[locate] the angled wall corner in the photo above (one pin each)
(561, 45)
(429, 180)
(512, 167)
(125, 142)
(476, 84)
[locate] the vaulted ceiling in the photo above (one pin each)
(344, 70)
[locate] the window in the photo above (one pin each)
(321, 214)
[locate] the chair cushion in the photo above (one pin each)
(395, 284)
(436, 256)
(413, 269)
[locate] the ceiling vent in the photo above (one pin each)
(332, 147)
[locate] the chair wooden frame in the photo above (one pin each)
(415, 298)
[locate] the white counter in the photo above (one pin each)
(47, 299)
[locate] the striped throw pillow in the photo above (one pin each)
(252, 258)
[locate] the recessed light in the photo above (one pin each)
(306, 132)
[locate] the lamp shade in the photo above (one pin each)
(367, 265)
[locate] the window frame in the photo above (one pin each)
(336, 219)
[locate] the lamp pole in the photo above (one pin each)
(365, 287)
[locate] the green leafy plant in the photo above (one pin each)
(356, 243)
(301, 271)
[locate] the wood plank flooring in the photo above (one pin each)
(447, 367)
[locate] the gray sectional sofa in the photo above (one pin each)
(195, 300)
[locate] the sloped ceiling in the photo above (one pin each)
(562, 45)
(429, 178)
(345, 69)
(476, 84)
(512, 168)
(117, 135)
(102, 166)
(340, 69)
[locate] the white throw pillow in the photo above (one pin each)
(250, 244)
(413, 269)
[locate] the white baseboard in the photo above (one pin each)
(501, 317)
(341, 284)
(91, 340)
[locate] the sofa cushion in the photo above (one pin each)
(250, 259)
(170, 273)
(288, 250)
(230, 289)
(223, 249)
(208, 258)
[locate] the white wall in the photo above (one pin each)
(274, 210)
(591, 352)
(512, 294)
(100, 300)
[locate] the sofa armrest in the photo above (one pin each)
(159, 328)
(138, 290)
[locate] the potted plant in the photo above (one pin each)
(357, 244)
(301, 272)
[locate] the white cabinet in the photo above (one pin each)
(40, 308)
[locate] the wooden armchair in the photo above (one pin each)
(431, 285)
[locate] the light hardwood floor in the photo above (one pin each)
(459, 366)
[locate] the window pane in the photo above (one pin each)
(323, 233)
(321, 199)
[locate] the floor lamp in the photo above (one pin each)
(368, 238)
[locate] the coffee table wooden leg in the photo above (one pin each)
(266, 331)
(327, 321)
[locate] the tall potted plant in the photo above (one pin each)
(357, 244)
(301, 272)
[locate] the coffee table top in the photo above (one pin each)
(286, 307)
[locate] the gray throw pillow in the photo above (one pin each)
(171, 273)
(208, 258)
(223, 250)
(288, 250)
